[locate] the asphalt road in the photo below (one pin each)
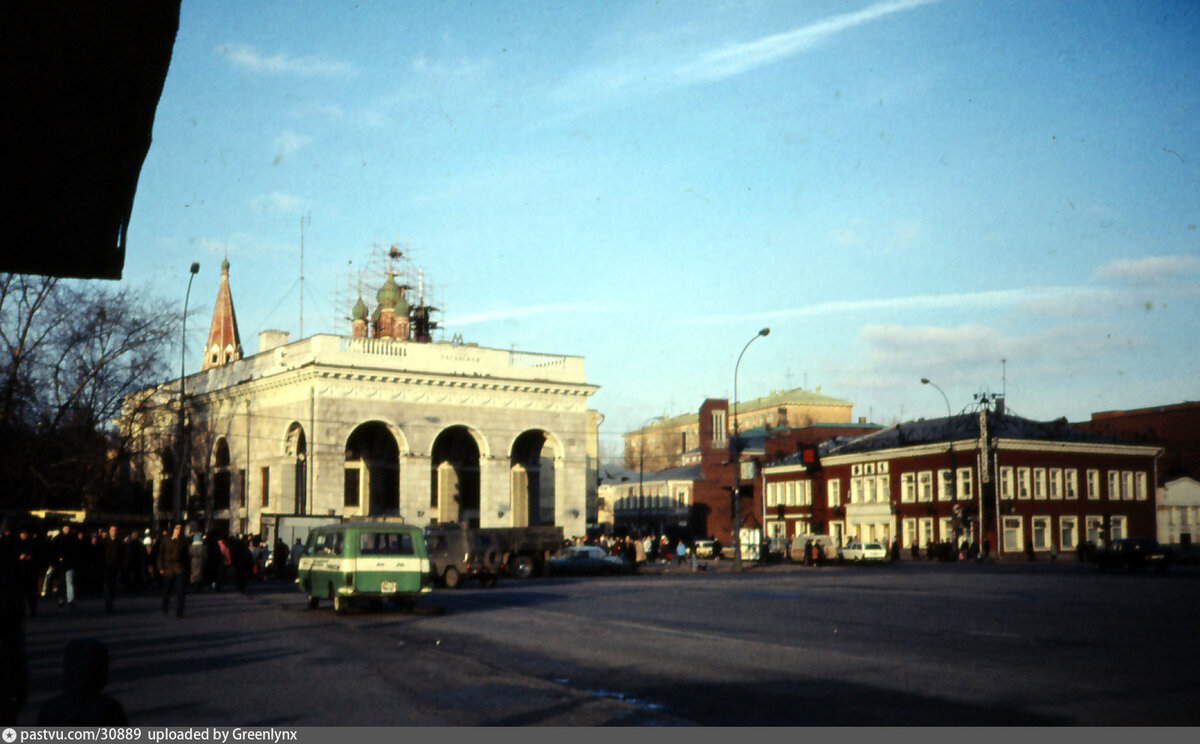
(910, 644)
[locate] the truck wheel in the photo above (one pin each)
(313, 602)
(451, 578)
(340, 604)
(522, 567)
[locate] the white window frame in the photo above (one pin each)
(789, 493)
(1127, 485)
(806, 494)
(944, 480)
(1046, 535)
(1094, 529)
(1039, 484)
(772, 494)
(925, 487)
(1024, 484)
(1017, 524)
(1114, 485)
(1071, 486)
(1006, 482)
(833, 492)
(1056, 484)
(1118, 527)
(925, 531)
(965, 484)
(883, 493)
(946, 527)
(908, 488)
(1068, 527)
(908, 530)
(1093, 485)
(868, 489)
(1140, 486)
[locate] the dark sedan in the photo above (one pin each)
(586, 560)
(1135, 553)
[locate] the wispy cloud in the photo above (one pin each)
(956, 301)
(651, 72)
(1151, 270)
(278, 203)
(512, 313)
(735, 59)
(288, 144)
(248, 58)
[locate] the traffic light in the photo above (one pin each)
(810, 459)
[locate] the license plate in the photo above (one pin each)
(387, 587)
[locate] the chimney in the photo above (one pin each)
(268, 340)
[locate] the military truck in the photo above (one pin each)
(458, 553)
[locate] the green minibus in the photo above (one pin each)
(372, 560)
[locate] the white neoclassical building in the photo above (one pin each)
(384, 422)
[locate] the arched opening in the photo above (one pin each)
(371, 481)
(221, 476)
(531, 479)
(454, 481)
(296, 449)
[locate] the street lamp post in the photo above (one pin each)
(735, 446)
(180, 466)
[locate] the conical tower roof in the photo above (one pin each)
(223, 332)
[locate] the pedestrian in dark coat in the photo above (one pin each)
(112, 553)
(172, 566)
(67, 549)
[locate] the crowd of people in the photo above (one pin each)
(70, 563)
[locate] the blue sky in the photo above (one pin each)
(897, 189)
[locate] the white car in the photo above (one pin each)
(860, 551)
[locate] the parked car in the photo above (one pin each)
(1136, 554)
(587, 560)
(860, 551)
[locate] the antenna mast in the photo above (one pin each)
(304, 220)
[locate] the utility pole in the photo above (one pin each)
(304, 220)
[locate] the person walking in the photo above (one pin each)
(66, 563)
(112, 560)
(172, 566)
(198, 556)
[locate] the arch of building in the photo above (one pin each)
(455, 476)
(295, 471)
(371, 469)
(533, 477)
(222, 478)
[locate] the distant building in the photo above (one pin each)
(665, 442)
(1179, 512)
(1034, 487)
(383, 422)
(1175, 428)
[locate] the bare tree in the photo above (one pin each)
(72, 353)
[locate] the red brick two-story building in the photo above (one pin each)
(1053, 486)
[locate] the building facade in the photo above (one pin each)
(383, 422)
(665, 443)
(1002, 483)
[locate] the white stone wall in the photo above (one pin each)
(330, 385)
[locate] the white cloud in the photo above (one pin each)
(511, 313)
(290, 143)
(247, 57)
(651, 68)
(958, 301)
(1151, 270)
(734, 59)
(278, 203)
